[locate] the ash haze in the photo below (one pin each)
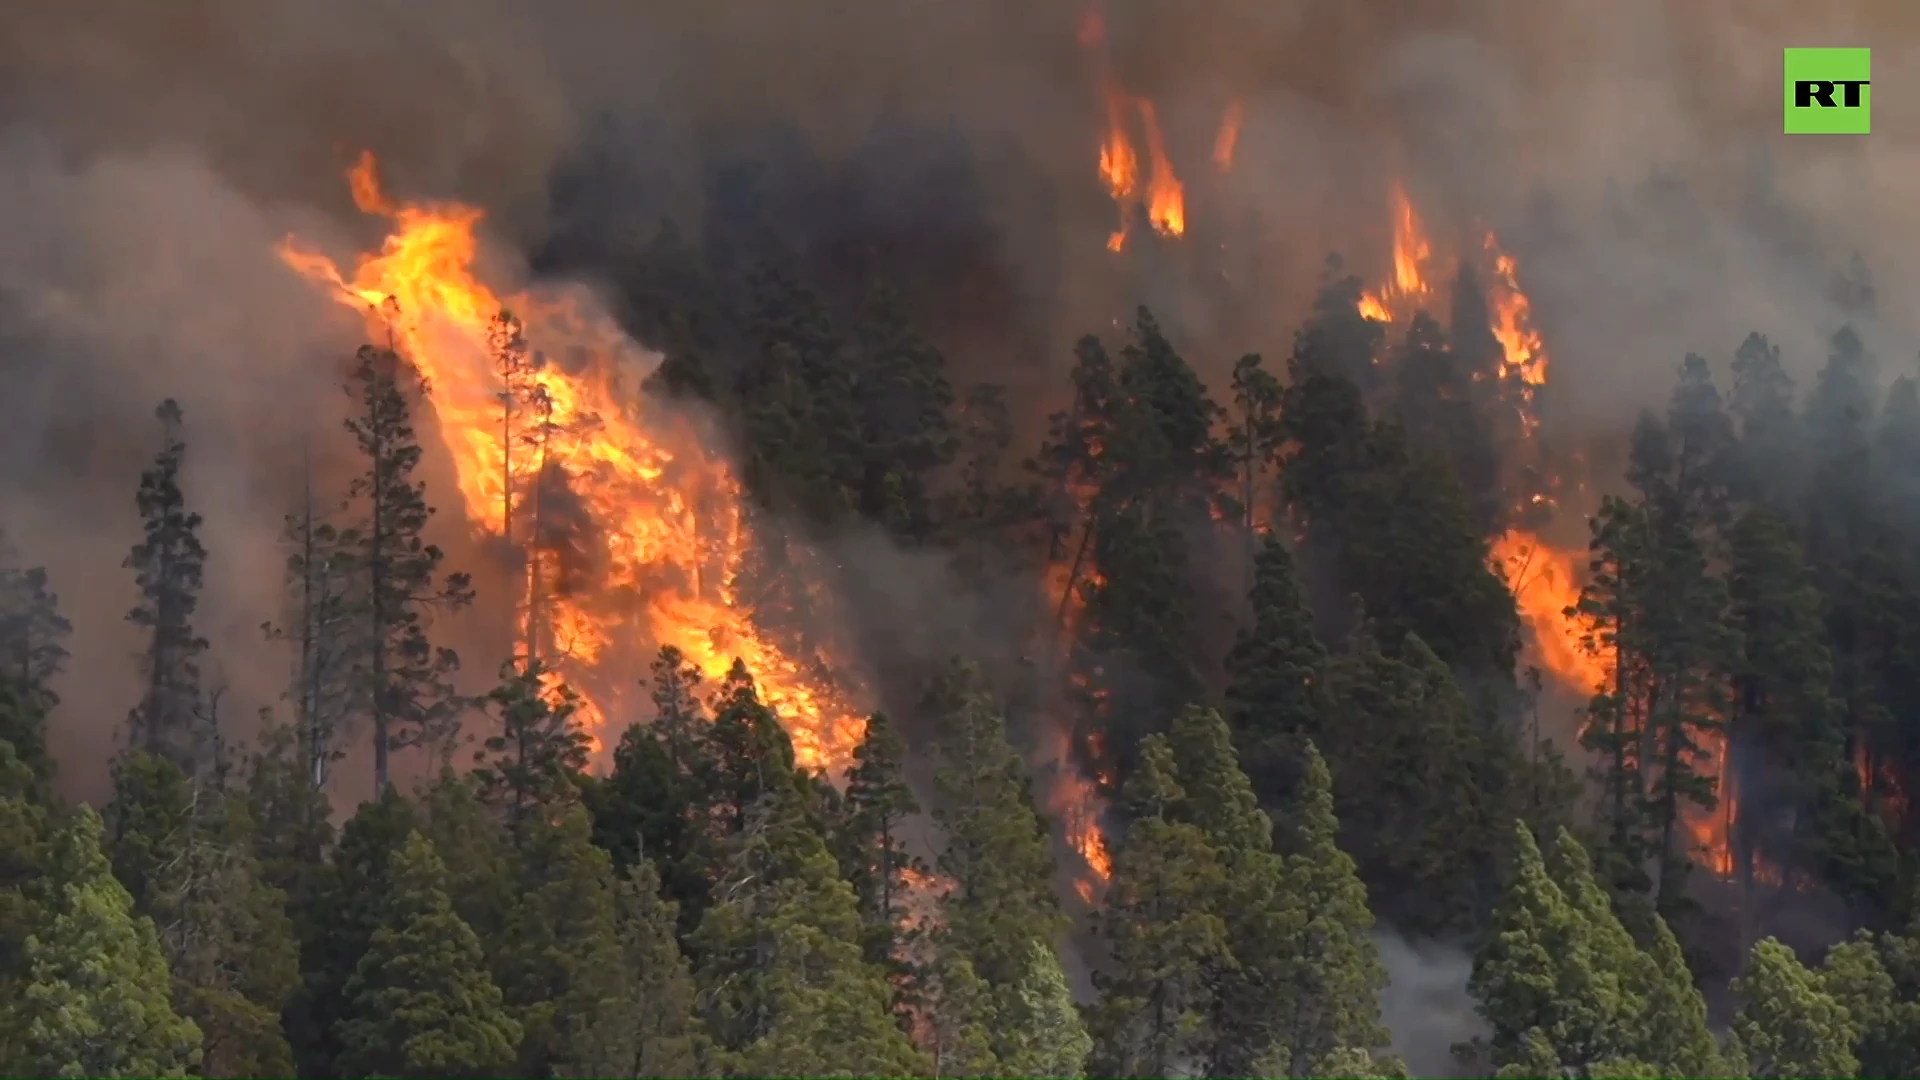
(151, 156)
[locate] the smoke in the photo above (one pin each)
(1426, 1004)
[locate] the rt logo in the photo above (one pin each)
(1828, 91)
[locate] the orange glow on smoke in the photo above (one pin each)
(1228, 139)
(669, 522)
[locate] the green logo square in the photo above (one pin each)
(1828, 91)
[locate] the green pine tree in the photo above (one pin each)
(97, 1000)
(1041, 1032)
(1789, 1024)
(1276, 672)
(645, 1025)
(168, 564)
(786, 988)
(956, 1018)
(1166, 939)
(398, 574)
(998, 852)
(420, 1002)
(557, 962)
(532, 761)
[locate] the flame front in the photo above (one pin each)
(667, 514)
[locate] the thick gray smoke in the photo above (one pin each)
(152, 154)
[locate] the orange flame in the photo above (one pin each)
(1166, 198)
(1229, 136)
(1546, 582)
(1119, 165)
(667, 512)
(1412, 251)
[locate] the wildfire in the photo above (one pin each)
(1119, 165)
(1073, 800)
(1412, 251)
(1546, 582)
(1166, 198)
(668, 520)
(1229, 137)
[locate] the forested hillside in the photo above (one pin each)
(1272, 623)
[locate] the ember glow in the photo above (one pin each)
(669, 529)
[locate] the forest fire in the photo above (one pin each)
(1166, 198)
(1409, 290)
(1074, 800)
(668, 523)
(1546, 581)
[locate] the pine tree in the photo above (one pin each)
(557, 965)
(1276, 672)
(1164, 934)
(24, 851)
(1435, 398)
(420, 1001)
(1333, 977)
(292, 831)
(1421, 779)
(1788, 1024)
(184, 851)
(1253, 438)
(878, 806)
(97, 999)
(749, 755)
(646, 1025)
(654, 803)
(1547, 1002)
(786, 988)
(998, 853)
(1679, 1041)
(956, 1018)
(33, 632)
(337, 929)
(477, 856)
(168, 565)
(322, 633)
(405, 675)
(1787, 748)
(1883, 1011)
(1763, 465)
(540, 748)
(901, 392)
(1040, 1028)
(1393, 526)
